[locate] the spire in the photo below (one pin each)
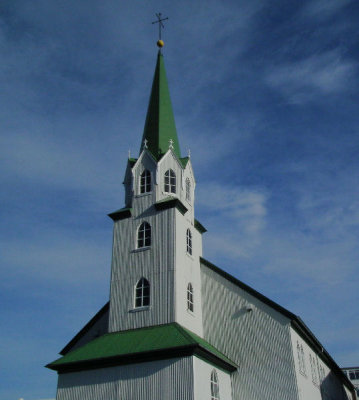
(160, 130)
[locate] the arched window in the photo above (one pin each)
(144, 235)
(189, 241)
(214, 386)
(145, 181)
(190, 304)
(188, 189)
(142, 293)
(170, 181)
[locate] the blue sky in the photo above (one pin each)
(265, 95)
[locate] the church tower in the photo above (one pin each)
(157, 242)
(147, 342)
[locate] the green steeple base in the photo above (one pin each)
(160, 128)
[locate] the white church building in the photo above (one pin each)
(177, 327)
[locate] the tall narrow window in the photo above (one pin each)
(145, 181)
(190, 304)
(313, 367)
(189, 241)
(170, 181)
(144, 235)
(188, 189)
(299, 357)
(303, 359)
(214, 386)
(142, 293)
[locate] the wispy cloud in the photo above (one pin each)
(236, 215)
(312, 78)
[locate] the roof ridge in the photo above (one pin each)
(185, 332)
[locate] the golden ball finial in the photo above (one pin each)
(160, 43)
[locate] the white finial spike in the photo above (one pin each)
(170, 144)
(145, 143)
(129, 153)
(189, 153)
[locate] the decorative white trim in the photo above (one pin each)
(141, 249)
(143, 194)
(139, 309)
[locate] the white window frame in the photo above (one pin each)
(214, 386)
(190, 298)
(144, 235)
(170, 182)
(142, 296)
(145, 182)
(189, 241)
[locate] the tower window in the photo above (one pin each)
(301, 359)
(189, 241)
(142, 293)
(214, 386)
(145, 181)
(170, 181)
(190, 304)
(144, 235)
(188, 189)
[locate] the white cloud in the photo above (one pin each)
(236, 215)
(311, 78)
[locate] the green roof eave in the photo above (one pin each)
(184, 161)
(140, 345)
(170, 202)
(122, 213)
(200, 228)
(132, 161)
(160, 127)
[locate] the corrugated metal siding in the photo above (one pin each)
(259, 341)
(165, 379)
(155, 264)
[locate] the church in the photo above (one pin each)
(176, 326)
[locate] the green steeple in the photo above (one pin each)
(160, 126)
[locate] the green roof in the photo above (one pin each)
(169, 202)
(122, 213)
(184, 161)
(136, 345)
(160, 125)
(199, 226)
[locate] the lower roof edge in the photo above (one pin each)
(135, 358)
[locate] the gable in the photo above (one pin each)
(97, 326)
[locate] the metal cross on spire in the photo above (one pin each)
(160, 26)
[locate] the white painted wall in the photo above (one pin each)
(187, 270)
(327, 386)
(202, 381)
(258, 341)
